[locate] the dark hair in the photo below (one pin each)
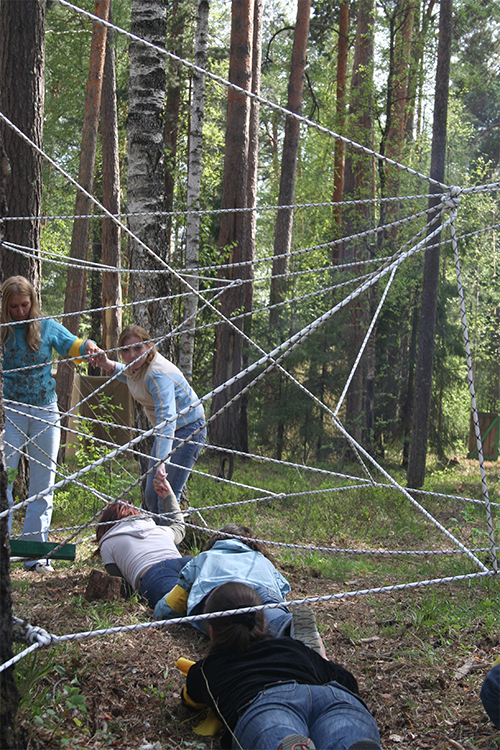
(234, 529)
(112, 513)
(235, 633)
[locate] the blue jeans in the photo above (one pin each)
(161, 578)
(490, 695)
(329, 714)
(45, 434)
(179, 470)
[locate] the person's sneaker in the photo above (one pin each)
(297, 742)
(365, 745)
(41, 568)
(304, 627)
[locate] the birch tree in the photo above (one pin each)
(193, 192)
(146, 170)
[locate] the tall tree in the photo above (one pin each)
(22, 68)
(341, 99)
(359, 184)
(9, 694)
(177, 21)
(226, 428)
(284, 219)
(146, 169)
(250, 217)
(193, 191)
(76, 276)
(425, 358)
(401, 24)
(111, 281)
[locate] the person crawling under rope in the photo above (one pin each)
(244, 560)
(138, 550)
(272, 693)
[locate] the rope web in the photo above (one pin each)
(425, 225)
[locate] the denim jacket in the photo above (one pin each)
(228, 560)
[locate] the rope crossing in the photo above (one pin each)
(428, 222)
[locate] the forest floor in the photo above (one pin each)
(123, 691)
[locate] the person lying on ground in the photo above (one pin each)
(274, 693)
(227, 559)
(135, 548)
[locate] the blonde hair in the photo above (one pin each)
(142, 335)
(20, 285)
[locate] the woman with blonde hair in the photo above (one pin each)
(169, 401)
(31, 413)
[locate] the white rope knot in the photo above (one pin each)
(23, 631)
(452, 198)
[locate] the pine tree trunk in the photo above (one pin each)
(425, 359)
(250, 217)
(193, 192)
(9, 694)
(226, 428)
(359, 184)
(22, 70)
(284, 220)
(76, 281)
(111, 281)
(339, 158)
(146, 172)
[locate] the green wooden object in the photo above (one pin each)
(34, 550)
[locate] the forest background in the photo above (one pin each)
(371, 76)
(384, 101)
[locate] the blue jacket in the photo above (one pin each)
(228, 560)
(35, 385)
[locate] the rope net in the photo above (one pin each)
(336, 285)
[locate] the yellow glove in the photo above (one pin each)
(209, 726)
(184, 665)
(177, 599)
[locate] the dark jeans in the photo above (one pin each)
(179, 466)
(161, 578)
(490, 695)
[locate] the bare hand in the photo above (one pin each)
(160, 482)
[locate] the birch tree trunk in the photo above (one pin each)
(425, 358)
(284, 219)
(146, 172)
(193, 192)
(22, 73)
(226, 428)
(111, 281)
(76, 280)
